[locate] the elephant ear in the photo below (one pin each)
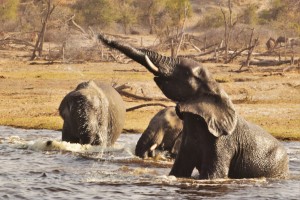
(217, 111)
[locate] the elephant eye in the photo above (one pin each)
(187, 73)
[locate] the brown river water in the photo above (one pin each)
(30, 169)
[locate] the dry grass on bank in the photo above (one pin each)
(31, 94)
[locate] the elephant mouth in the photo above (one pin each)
(160, 70)
(157, 78)
(151, 67)
(159, 81)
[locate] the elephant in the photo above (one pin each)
(93, 114)
(280, 40)
(271, 43)
(216, 140)
(163, 133)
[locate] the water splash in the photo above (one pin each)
(54, 145)
(60, 169)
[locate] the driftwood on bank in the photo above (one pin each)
(269, 62)
(121, 90)
(145, 105)
(130, 95)
(12, 41)
(129, 70)
(210, 52)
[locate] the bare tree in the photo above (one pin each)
(252, 45)
(182, 31)
(40, 41)
(229, 25)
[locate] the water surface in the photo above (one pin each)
(31, 169)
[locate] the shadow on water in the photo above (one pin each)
(35, 167)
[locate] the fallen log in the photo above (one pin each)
(15, 41)
(205, 53)
(129, 70)
(269, 62)
(145, 105)
(130, 95)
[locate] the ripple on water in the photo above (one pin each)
(37, 168)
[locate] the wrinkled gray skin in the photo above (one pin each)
(163, 133)
(93, 114)
(216, 140)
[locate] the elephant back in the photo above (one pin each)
(116, 112)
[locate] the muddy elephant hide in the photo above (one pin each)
(163, 133)
(93, 114)
(215, 139)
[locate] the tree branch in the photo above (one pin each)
(145, 105)
(130, 95)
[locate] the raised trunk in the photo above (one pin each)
(154, 62)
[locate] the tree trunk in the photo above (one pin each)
(182, 32)
(40, 41)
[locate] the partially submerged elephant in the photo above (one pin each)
(93, 114)
(163, 133)
(216, 140)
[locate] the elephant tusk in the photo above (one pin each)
(153, 147)
(151, 65)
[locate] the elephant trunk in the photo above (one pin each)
(141, 148)
(146, 145)
(157, 64)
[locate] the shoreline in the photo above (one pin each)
(31, 94)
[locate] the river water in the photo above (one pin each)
(31, 168)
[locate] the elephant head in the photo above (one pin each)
(187, 82)
(215, 139)
(163, 133)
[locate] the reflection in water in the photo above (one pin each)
(36, 164)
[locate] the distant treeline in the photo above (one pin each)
(146, 16)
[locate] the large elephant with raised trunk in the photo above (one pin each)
(162, 133)
(216, 140)
(93, 114)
